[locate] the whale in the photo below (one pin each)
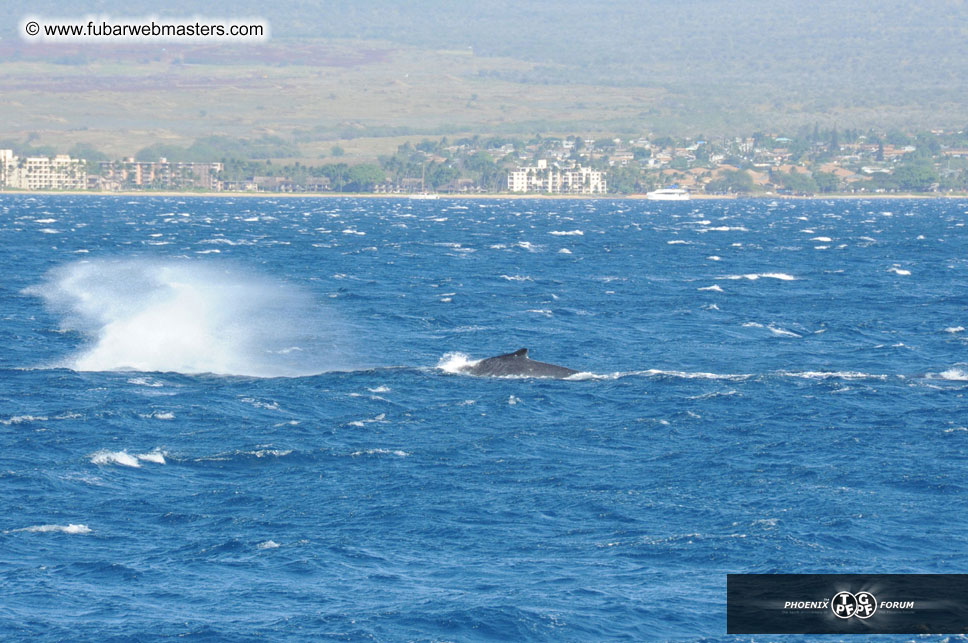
(517, 364)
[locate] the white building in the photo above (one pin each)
(42, 173)
(555, 180)
(8, 163)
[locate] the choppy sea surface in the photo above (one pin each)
(244, 418)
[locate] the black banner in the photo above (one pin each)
(847, 603)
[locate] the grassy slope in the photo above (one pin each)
(710, 67)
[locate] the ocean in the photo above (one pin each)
(245, 418)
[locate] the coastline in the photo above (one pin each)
(544, 197)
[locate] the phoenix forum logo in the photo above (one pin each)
(847, 605)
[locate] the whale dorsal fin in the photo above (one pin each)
(521, 352)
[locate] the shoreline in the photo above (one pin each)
(544, 197)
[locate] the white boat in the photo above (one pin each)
(423, 195)
(668, 194)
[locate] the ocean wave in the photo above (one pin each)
(652, 372)
(782, 276)
(159, 415)
(21, 419)
(953, 375)
(156, 456)
(782, 332)
(397, 452)
(359, 423)
(841, 375)
(267, 453)
(687, 375)
(107, 457)
(63, 529)
(145, 381)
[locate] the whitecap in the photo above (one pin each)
(824, 375)
(157, 456)
(652, 372)
(105, 457)
(159, 415)
(359, 423)
(262, 453)
(567, 233)
(782, 332)
(765, 275)
(269, 544)
(396, 452)
(269, 406)
(713, 288)
(20, 419)
(954, 375)
(64, 529)
(145, 381)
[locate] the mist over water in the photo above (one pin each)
(190, 317)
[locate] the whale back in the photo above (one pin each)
(517, 364)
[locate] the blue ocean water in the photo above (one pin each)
(243, 418)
